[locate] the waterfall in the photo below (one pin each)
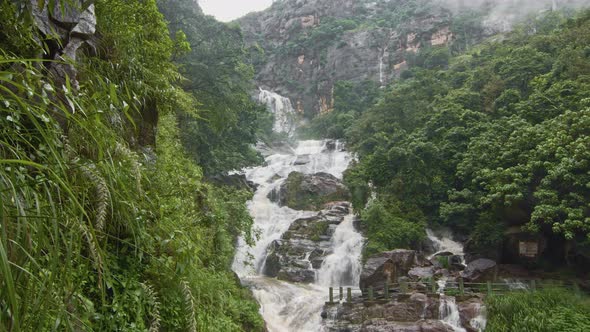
(282, 109)
(445, 243)
(382, 78)
(448, 309)
(479, 322)
(290, 306)
(449, 313)
(343, 266)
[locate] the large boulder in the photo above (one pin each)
(388, 267)
(472, 314)
(65, 29)
(309, 191)
(418, 312)
(481, 269)
(418, 273)
(302, 249)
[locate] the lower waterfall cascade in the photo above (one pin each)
(289, 306)
(297, 307)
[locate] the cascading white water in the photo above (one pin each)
(384, 54)
(287, 306)
(449, 313)
(343, 266)
(480, 321)
(445, 243)
(448, 309)
(282, 109)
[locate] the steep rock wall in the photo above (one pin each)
(301, 48)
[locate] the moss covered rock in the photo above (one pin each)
(310, 191)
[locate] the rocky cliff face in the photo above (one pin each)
(65, 30)
(302, 47)
(311, 44)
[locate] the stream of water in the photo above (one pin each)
(293, 307)
(288, 306)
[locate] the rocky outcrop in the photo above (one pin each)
(388, 267)
(469, 312)
(304, 69)
(302, 249)
(415, 312)
(309, 191)
(309, 45)
(480, 270)
(66, 28)
(419, 273)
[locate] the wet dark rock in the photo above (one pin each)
(297, 275)
(417, 312)
(468, 311)
(309, 191)
(388, 267)
(302, 160)
(272, 266)
(443, 254)
(456, 263)
(331, 145)
(302, 250)
(480, 270)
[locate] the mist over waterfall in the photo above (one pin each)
(288, 306)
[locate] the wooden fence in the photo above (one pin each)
(451, 288)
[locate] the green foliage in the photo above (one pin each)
(443, 261)
(430, 58)
(484, 140)
(350, 101)
(220, 137)
(96, 235)
(387, 228)
(553, 309)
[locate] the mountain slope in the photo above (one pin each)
(302, 48)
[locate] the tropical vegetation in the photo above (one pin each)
(108, 221)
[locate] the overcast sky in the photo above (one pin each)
(227, 10)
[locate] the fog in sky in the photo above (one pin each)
(227, 10)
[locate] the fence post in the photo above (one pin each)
(461, 287)
(489, 283)
(331, 294)
(403, 286)
(386, 290)
(371, 293)
(349, 295)
(341, 293)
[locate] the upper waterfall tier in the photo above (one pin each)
(282, 109)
